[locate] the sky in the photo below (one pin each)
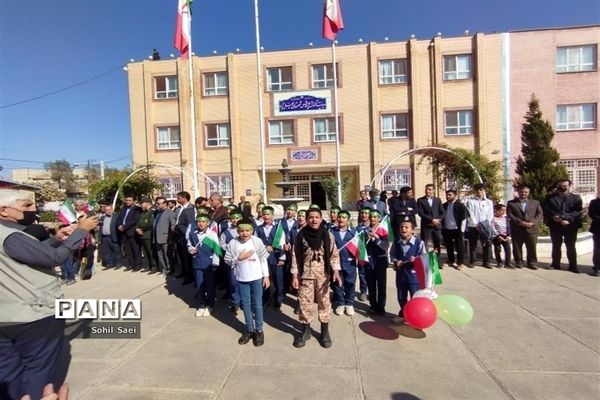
(78, 48)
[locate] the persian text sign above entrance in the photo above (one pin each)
(302, 103)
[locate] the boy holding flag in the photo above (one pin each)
(403, 254)
(204, 247)
(344, 295)
(273, 239)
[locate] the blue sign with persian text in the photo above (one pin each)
(302, 103)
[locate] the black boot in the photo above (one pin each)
(301, 339)
(325, 338)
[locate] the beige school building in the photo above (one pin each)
(392, 97)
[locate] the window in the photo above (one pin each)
(281, 132)
(166, 87)
(578, 116)
(322, 76)
(396, 178)
(459, 122)
(217, 135)
(215, 84)
(303, 187)
(324, 129)
(170, 187)
(221, 184)
(279, 79)
(394, 126)
(583, 174)
(168, 138)
(457, 67)
(576, 58)
(392, 71)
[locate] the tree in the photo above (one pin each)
(536, 166)
(48, 193)
(330, 186)
(453, 167)
(139, 185)
(61, 172)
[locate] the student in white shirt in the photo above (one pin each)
(247, 256)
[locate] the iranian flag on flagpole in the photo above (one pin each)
(279, 237)
(182, 28)
(358, 248)
(384, 229)
(66, 213)
(211, 240)
(427, 269)
(332, 19)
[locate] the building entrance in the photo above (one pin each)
(310, 188)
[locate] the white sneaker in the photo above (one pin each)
(349, 310)
(200, 312)
(207, 312)
(398, 320)
(339, 310)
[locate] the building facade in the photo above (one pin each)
(392, 97)
(560, 66)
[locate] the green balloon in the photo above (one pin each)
(453, 309)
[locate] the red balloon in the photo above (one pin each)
(420, 313)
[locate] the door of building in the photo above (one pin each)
(317, 195)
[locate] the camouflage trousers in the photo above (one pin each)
(311, 290)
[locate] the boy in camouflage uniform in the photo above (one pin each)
(314, 264)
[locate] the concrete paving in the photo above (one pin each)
(535, 335)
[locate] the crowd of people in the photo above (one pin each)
(258, 259)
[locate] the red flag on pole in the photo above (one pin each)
(182, 28)
(332, 19)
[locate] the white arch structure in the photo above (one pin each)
(114, 202)
(384, 169)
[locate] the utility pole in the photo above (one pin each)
(102, 169)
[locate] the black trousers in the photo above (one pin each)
(455, 241)
(473, 236)
(596, 256)
(376, 274)
(498, 246)
(426, 232)
(520, 237)
(569, 236)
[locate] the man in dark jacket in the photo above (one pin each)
(144, 230)
(431, 212)
(453, 226)
(524, 215)
(127, 221)
(562, 211)
(403, 207)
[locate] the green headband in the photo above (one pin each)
(302, 213)
(268, 210)
(375, 212)
(244, 226)
(235, 215)
(202, 217)
(291, 207)
(344, 214)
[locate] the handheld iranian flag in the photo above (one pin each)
(182, 28)
(358, 248)
(279, 237)
(384, 229)
(66, 213)
(332, 19)
(211, 240)
(427, 269)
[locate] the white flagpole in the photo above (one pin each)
(337, 128)
(260, 106)
(192, 107)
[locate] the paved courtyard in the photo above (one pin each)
(535, 335)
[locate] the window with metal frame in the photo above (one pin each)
(222, 185)
(217, 135)
(576, 58)
(575, 116)
(583, 175)
(459, 122)
(322, 75)
(281, 132)
(165, 87)
(457, 67)
(324, 129)
(279, 79)
(396, 178)
(392, 71)
(394, 126)
(171, 186)
(215, 84)
(168, 138)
